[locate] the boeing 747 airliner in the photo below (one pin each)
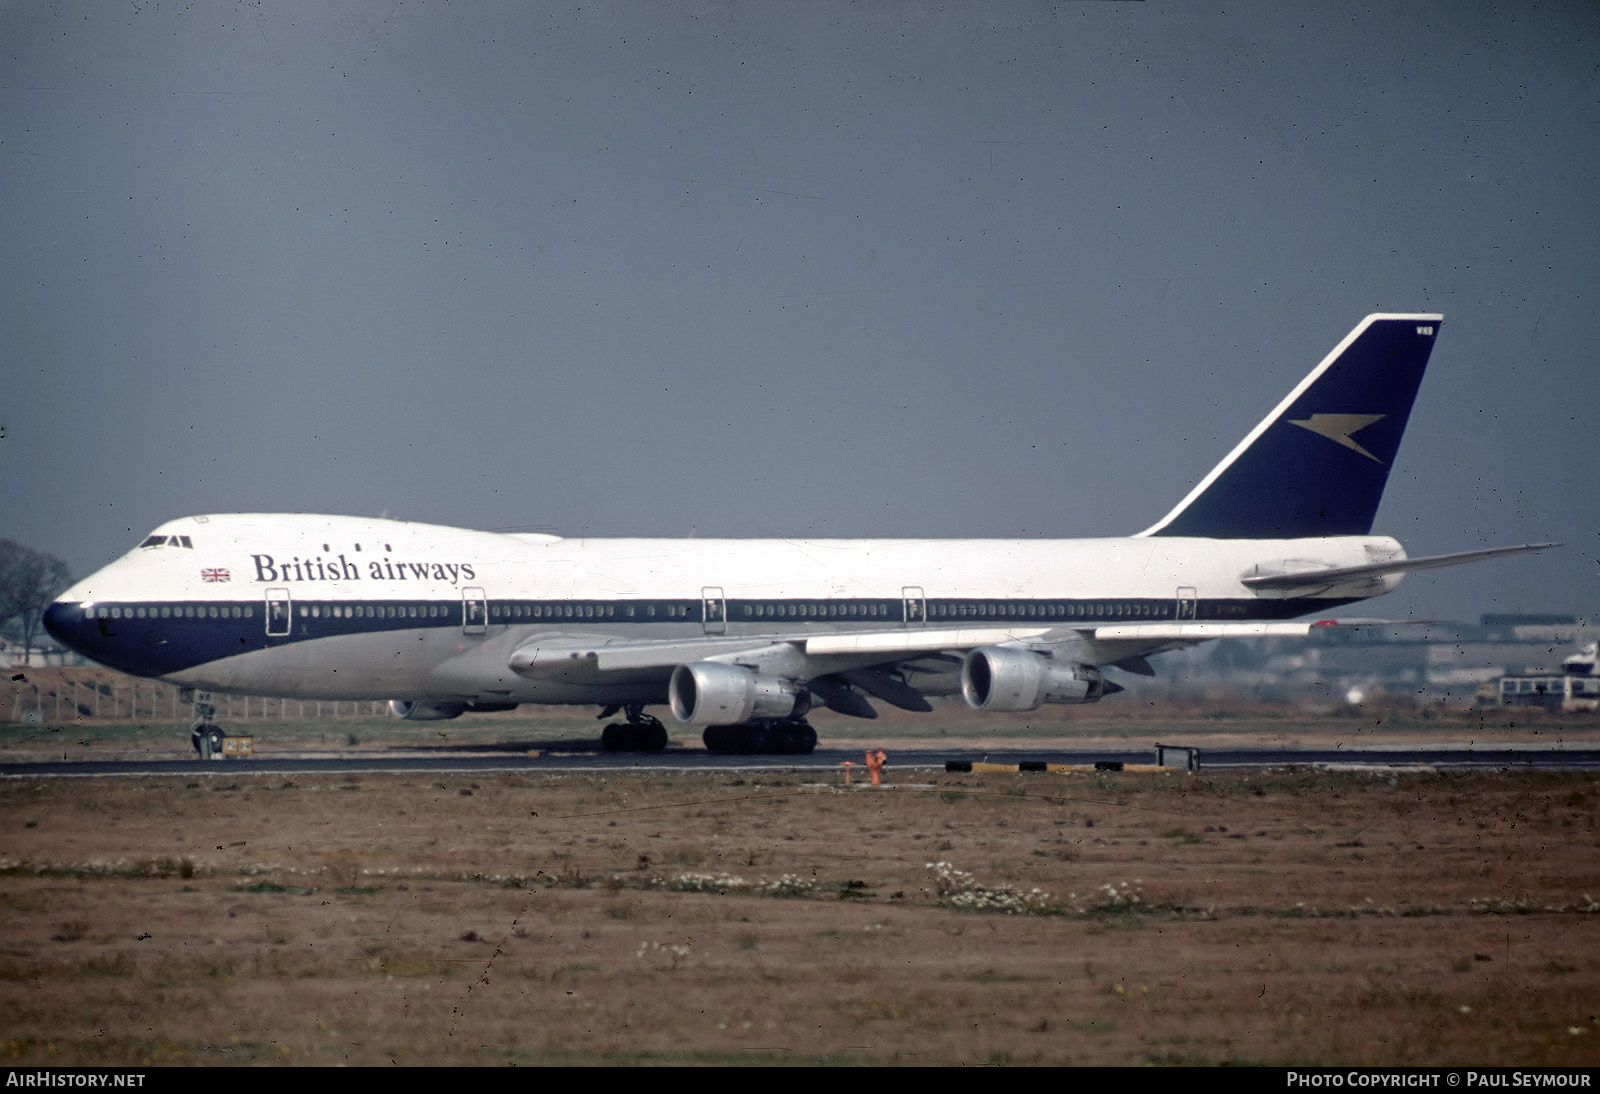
(744, 637)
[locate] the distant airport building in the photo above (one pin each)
(1575, 687)
(1431, 663)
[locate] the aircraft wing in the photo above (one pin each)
(791, 654)
(1126, 645)
(883, 664)
(1123, 645)
(871, 647)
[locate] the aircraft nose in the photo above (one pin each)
(64, 620)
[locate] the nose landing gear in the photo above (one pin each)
(204, 734)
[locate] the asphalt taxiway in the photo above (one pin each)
(1463, 756)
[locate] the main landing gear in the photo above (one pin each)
(640, 733)
(768, 737)
(787, 737)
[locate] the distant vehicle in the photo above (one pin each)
(1575, 689)
(744, 637)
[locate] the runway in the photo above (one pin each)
(829, 762)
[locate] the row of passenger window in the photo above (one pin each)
(849, 609)
(1028, 609)
(504, 612)
(305, 611)
(378, 611)
(508, 612)
(175, 611)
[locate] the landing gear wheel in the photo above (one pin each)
(797, 740)
(761, 739)
(724, 740)
(205, 735)
(629, 737)
(640, 733)
(207, 741)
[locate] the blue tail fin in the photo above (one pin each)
(1317, 465)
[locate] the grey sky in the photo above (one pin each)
(829, 269)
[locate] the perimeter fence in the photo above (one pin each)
(58, 696)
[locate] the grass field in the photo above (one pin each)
(1269, 918)
(1279, 917)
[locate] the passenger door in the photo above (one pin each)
(914, 606)
(280, 613)
(474, 611)
(1186, 603)
(714, 610)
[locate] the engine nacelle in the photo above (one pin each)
(1000, 678)
(439, 710)
(425, 710)
(709, 693)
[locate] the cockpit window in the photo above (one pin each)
(167, 541)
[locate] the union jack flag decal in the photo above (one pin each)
(215, 575)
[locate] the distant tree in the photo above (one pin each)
(29, 582)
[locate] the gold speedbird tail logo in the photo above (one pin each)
(1339, 427)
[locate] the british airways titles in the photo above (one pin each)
(269, 570)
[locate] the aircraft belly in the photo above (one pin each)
(387, 665)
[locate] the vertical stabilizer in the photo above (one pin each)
(1317, 465)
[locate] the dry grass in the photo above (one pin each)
(1280, 917)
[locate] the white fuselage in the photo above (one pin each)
(354, 608)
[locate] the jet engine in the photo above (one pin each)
(1001, 678)
(439, 710)
(709, 693)
(425, 710)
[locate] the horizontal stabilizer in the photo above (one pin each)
(1311, 580)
